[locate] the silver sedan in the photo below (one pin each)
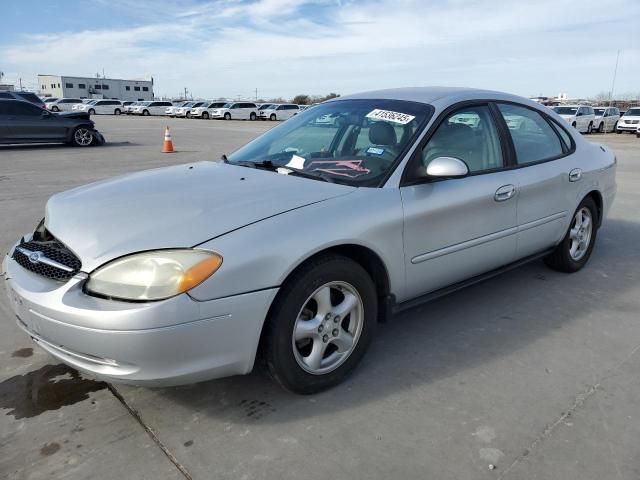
(299, 243)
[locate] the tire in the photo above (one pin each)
(289, 360)
(574, 125)
(252, 116)
(82, 136)
(273, 117)
(92, 111)
(145, 113)
(117, 111)
(590, 128)
(601, 127)
(618, 131)
(637, 134)
(227, 116)
(205, 115)
(55, 109)
(187, 115)
(561, 258)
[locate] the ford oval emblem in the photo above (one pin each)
(35, 257)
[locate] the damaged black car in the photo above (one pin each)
(24, 122)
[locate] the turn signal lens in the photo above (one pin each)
(199, 273)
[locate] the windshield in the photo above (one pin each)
(565, 110)
(598, 112)
(355, 142)
(189, 104)
(632, 112)
(265, 106)
(92, 102)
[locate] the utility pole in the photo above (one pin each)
(613, 83)
(185, 93)
(20, 81)
(256, 94)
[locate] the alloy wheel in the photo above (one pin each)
(328, 327)
(83, 137)
(580, 233)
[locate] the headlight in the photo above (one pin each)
(154, 275)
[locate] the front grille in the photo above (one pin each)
(49, 250)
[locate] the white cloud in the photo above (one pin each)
(230, 47)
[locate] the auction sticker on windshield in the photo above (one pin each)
(388, 115)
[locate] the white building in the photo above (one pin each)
(89, 87)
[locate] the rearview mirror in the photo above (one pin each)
(447, 167)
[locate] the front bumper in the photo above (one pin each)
(170, 342)
(628, 127)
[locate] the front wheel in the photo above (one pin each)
(574, 125)
(82, 137)
(272, 117)
(601, 128)
(205, 115)
(590, 128)
(321, 324)
(575, 249)
(92, 111)
(55, 109)
(145, 113)
(227, 116)
(117, 111)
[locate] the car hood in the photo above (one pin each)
(174, 207)
(74, 114)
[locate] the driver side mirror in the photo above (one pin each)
(447, 167)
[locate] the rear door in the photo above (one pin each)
(458, 228)
(548, 174)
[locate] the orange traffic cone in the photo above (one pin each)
(168, 144)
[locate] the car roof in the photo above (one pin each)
(437, 95)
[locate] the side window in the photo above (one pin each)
(533, 138)
(566, 138)
(470, 135)
(26, 109)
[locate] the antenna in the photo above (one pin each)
(613, 83)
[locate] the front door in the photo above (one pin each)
(455, 229)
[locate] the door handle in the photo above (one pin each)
(575, 175)
(505, 192)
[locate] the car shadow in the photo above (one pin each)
(465, 329)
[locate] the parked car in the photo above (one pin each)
(151, 108)
(21, 95)
(101, 107)
(630, 121)
(24, 122)
(580, 117)
(279, 112)
(127, 108)
(305, 238)
(63, 104)
(236, 111)
(185, 110)
(174, 106)
(606, 119)
(49, 100)
(204, 111)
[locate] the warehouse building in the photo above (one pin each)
(95, 87)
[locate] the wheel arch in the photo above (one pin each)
(596, 196)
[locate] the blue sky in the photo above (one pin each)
(284, 47)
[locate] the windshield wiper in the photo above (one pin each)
(272, 167)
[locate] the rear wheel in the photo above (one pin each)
(117, 111)
(146, 113)
(92, 111)
(252, 116)
(590, 128)
(205, 115)
(321, 324)
(227, 116)
(575, 249)
(618, 131)
(601, 127)
(55, 109)
(82, 137)
(272, 117)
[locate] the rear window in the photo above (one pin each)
(565, 110)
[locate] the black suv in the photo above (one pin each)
(24, 122)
